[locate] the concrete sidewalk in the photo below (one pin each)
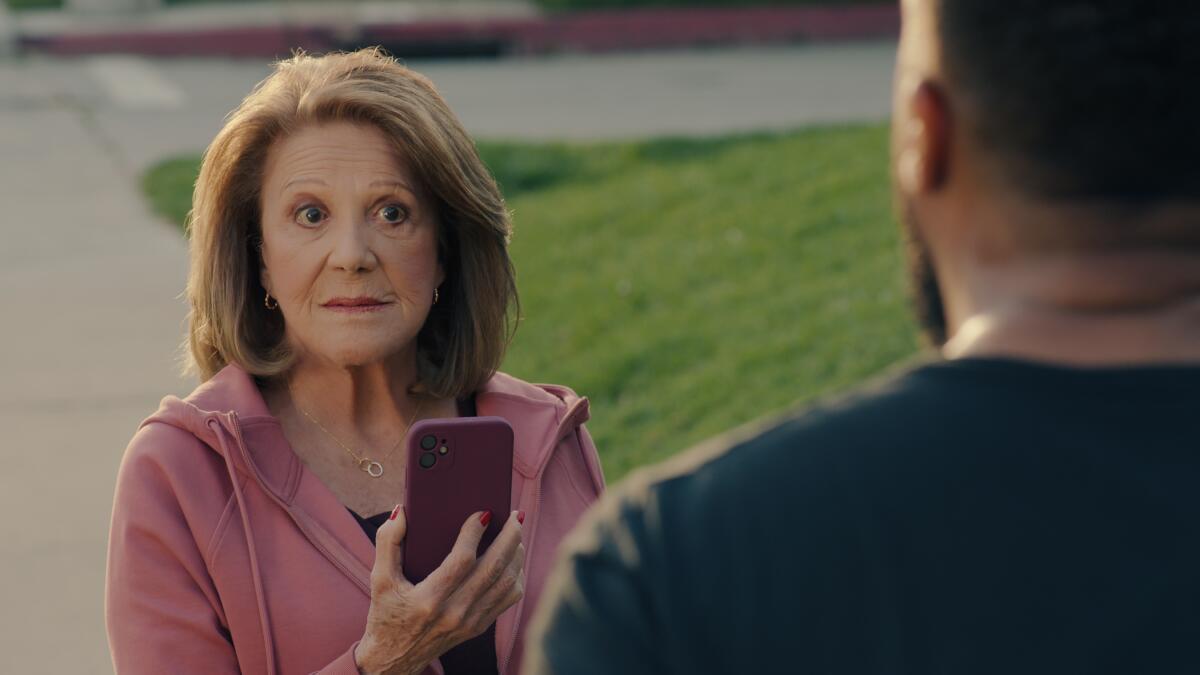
(88, 290)
(417, 28)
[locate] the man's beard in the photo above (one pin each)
(924, 293)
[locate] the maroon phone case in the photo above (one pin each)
(473, 474)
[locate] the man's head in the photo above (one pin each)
(1029, 128)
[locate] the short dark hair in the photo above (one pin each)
(1086, 100)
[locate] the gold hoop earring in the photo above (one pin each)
(435, 296)
(267, 302)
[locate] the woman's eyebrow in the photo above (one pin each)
(393, 184)
(377, 183)
(296, 181)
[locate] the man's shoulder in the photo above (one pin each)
(752, 472)
(769, 501)
(881, 412)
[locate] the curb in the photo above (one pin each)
(664, 28)
(588, 32)
(267, 41)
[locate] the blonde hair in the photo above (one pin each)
(467, 332)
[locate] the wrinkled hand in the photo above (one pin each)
(408, 625)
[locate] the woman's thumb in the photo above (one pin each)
(388, 541)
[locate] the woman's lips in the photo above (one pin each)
(355, 305)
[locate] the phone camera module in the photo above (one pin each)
(428, 459)
(427, 442)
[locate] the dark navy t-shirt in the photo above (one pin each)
(975, 516)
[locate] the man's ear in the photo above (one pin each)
(923, 143)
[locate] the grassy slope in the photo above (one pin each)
(689, 286)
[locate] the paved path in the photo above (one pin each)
(578, 97)
(88, 285)
(89, 279)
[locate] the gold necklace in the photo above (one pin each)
(373, 468)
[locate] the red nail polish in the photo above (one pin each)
(486, 518)
(521, 517)
(395, 511)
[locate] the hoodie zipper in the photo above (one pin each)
(512, 642)
(537, 518)
(264, 622)
(315, 541)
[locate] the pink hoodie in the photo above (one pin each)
(227, 555)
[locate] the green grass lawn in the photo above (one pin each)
(689, 286)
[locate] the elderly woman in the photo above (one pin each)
(349, 276)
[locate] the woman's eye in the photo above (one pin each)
(393, 213)
(310, 215)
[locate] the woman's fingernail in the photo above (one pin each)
(486, 518)
(395, 511)
(521, 517)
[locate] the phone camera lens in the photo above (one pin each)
(427, 442)
(428, 459)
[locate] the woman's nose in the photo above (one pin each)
(352, 247)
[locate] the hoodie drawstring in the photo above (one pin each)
(264, 619)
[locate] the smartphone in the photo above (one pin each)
(456, 467)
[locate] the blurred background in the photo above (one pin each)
(700, 196)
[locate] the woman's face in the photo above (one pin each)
(349, 246)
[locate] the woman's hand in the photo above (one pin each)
(409, 625)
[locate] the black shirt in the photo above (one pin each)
(978, 516)
(372, 524)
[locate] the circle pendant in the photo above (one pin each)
(375, 469)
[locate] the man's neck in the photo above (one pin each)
(1099, 310)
